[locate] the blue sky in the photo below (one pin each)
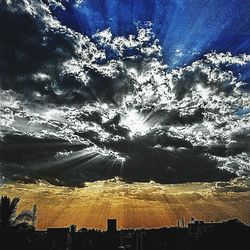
(194, 27)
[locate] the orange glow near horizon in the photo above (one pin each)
(137, 205)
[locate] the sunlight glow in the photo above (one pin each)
(108, 153)
(135, 123)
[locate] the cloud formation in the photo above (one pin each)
(76, 108)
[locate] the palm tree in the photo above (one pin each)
(10, 220)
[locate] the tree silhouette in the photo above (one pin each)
(11, 221)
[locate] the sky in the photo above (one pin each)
(141, 205)
(139, 92)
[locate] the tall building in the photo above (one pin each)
(181, 222)
(111, 225)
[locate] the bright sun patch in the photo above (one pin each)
(135, 122)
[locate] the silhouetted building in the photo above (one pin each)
(197, 228)
(198, 235)
(111, 225)
(181, 222)
(139, 245)
(58, 238)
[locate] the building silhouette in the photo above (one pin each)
(111, 225)
(58, 238)
(181, 222)
(196, 228)
(196, 235)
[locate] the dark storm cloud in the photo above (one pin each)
(30, 149)
(239, 143)
(178, 167)
(177, 160)
(33, 48)
(241, 140)
(35, 159)
(110, 89)
(238, 185)
(196, 75)
(33, 51)
(174, 117)
(29, 159)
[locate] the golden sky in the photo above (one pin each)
(135, 205)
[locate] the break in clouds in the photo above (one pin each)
(76, 108)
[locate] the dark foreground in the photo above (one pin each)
(230, 234)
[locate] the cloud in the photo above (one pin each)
(237, 185)
(34, 48)
(78, 108)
